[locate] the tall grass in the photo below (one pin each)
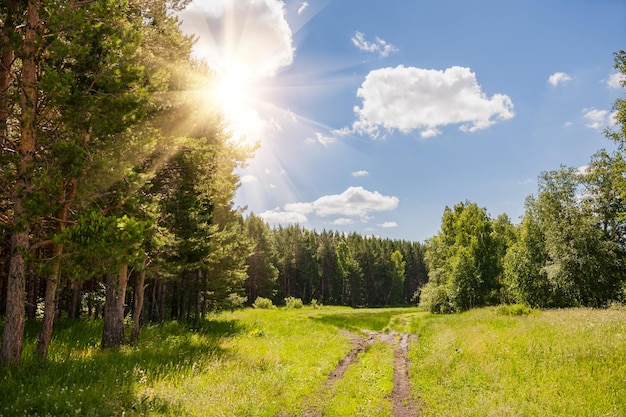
(365, 390)
(250, 362)
(555, 363)
(488, 362)
(369, 319)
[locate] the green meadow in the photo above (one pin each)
(485, 362)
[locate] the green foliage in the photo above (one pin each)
(292, 302)
(515, 310)
(570, 250)
(263, 303)
(262, 272)
(105, 241)
(463, 259)
(315, 304)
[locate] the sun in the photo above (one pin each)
(235, 94)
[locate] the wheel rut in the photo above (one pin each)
(403, 404)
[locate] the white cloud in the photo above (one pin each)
(248, 35)
(381, 47)
(599, 119)
(409, 98)
(342, 221)
(353, 202)
(360, 173)
(303, 7)
(582, 170)
(559, 77)
(320, 138)
(616, 80)
(388, 225)
(277, 216)
(248, 179)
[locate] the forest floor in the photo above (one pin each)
(403, 404)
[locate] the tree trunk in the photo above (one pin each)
(50, 299)
(6, 63)
(75, 305)
(139, 288)
(32, 292)
(13, 334)
(43, 342)
(113, 331)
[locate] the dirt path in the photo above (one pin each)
(403, 404)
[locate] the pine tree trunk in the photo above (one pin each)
(32, 285)
(43, 342)
(139, 288)
(50, 299)
(6, 62)
(75, 307)
(113, 331)
(13, 334)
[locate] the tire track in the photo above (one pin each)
(403, 404)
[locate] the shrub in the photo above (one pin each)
(263, 303)
(292, 302)
(434, 298)
(514, 310)
(315, 304)
(235, 301)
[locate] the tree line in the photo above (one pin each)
(332, 268)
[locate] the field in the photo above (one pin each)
(334, 362)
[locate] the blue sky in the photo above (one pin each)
(373, 116)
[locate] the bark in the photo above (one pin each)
(13, 334)
(140, 279)
(6, 63)
(113, 331)
(77, 287)
(50, 299)
(32, 285)
(43, 342)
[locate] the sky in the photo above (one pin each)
(372, 116)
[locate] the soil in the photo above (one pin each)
(403, 404)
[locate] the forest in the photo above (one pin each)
(117, 181)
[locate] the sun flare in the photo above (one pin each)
(235, 94)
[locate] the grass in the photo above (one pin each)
(365, 390)
(369, 319)
(487, 362)
(492, 363)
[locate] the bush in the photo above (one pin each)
(514, 310)
(315, 304)
(434, 298)
(292, 302)
(263, 303)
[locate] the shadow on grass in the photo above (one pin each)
(357, 320)
(79, 378)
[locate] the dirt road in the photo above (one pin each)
(403, 404)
